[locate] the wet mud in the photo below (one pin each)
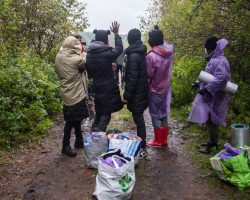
(41, 172)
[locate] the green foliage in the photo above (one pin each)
(28, 94)
(40, 24)
(30, 34)
(193, 135)
(121, 119)
(183, 76)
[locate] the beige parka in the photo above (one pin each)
(67, 63)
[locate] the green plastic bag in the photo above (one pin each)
(237, 170)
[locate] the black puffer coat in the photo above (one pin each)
(99, 66)
(136, 81)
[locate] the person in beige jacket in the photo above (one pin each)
(69, 66)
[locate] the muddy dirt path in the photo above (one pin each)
(41, 172)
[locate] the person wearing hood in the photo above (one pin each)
(159, 69)
(83, 44)
(100, 57)
(136, 83)
(211, 103)
(69, 65)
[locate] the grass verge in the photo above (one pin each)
(120, 120)
(193, 135)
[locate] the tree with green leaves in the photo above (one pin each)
(31, 32)
(41, 24)
(186, 24)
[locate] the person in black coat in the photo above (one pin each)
(100, 57)
(136, 82)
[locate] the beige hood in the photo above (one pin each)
(73, 86)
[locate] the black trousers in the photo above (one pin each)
(101, 122)
(213, 133)
(67, 132)
(141, 128)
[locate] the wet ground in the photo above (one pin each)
(41, 172)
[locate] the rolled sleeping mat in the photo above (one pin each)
(240, 135)
(206, 78)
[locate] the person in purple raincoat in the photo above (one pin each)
(159, 69)
(211, 103)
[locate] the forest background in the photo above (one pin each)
(31, 32)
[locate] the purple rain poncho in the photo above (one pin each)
(216, 105)
(159, 70)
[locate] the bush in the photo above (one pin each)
(29, 93)
(185, 72)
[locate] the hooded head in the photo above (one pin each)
(211, 43)
(71, 43)
(133, 36)
(155, 37)
(210, 46)
(102, 35)
(79, 37)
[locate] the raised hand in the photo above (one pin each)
(115, 27)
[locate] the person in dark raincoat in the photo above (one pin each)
(136, 83)
(100, 57)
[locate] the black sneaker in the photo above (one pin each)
(79, 144)
(68, 151)
(207, 148)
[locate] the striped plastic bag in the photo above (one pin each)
(130, 144)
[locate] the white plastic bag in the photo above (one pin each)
(128, 147)
(95, 144)
(115, 183)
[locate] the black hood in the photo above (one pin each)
(137, 47)
(98, 47)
